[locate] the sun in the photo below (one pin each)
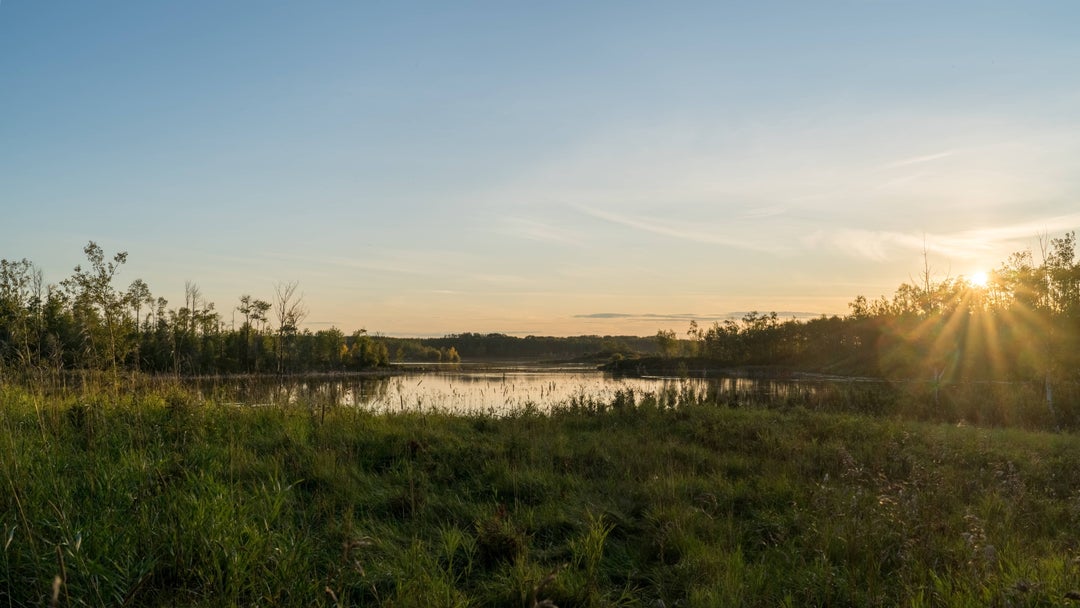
(979, 278)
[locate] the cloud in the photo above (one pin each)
(786, 314)
(764, 212)
(604, 315)
(418, 262)
(539, 231)
(918, 160)
(879, 245)
(678, 231)
(810, 234)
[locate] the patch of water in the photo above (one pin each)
(496, 389)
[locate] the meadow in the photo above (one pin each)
(164, 498)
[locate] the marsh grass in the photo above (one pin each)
(161, 497)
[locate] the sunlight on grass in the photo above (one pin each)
(641, 500)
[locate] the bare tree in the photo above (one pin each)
(192, 295)
(289, 311)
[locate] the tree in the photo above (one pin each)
(99, 301)
(695, 336)
(667, 343)
(15, 289)
(289, 311)
(329, 349)
(192, 295)
(138, 294)
(366, 351)
(254, 311)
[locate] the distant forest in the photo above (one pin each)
(1024, 323)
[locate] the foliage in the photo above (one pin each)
(476, 346)
(88, 324)
(1024, 324)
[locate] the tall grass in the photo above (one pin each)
(161, 497)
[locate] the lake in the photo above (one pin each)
(497, 388)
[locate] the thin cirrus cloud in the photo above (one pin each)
(918, 160)
(676, 230)
(535, 230)
(787, 314)
(880, 245)
(432, 271)
(391, 262)
(809, 235)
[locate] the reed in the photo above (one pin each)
(165, 497)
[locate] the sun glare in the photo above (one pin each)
(979, 279)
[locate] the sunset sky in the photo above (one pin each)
(556, 168)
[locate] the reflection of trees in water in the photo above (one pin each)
(318, 392)
(255, 390)
(488, 392)
(365, 391)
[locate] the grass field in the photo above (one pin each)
(162, 499)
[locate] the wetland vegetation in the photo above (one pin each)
(947, 474)
(160, 498)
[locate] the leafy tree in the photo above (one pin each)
(100, 307)
(137, 296)
(365, 351)
(254, 312)
(16, 312)
(667, 343)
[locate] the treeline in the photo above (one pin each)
(494, 346)
(501, 347)
(1022, 324)
(87, 323)
(419, 350)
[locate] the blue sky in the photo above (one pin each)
(547, 168)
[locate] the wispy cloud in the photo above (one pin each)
(498, 279)
(880, 245)
(918, 160)
(902, 180)
(764, 212)
(677, 230)
(787, 314)
(398, 261)
(535, 230)
(1029, 229)
(604, 315)
(810, 234)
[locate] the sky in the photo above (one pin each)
(547, 168)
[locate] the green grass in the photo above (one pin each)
(160, 499)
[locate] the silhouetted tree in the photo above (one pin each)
(289, 312)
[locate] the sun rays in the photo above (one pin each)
(982, 328)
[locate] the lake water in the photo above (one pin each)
(497, 389)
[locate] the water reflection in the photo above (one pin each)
(503, 390)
